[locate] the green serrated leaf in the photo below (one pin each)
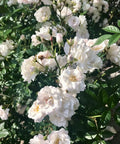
(3, 133)
(102, 38)
(113, 39)
(118, 23)
(111, 29)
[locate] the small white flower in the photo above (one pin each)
(35, 41)
(72, 80)
(87, 59)
(66, 111)
(30, 69)
(35, 112)
(4, 113)
(43, 14)
(97, 48)
(22, 37)
(114, 54)
(74, 4)
(49, 98)
(62, 60)
(44, 32)
(44, 58)
(59, 137)
(73, 22)
(59, 38)
(38, 139)
(48, 101)
(5, 48)
(65, 12)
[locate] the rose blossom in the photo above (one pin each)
(43, 14)
(30, 69)
(5, 48)
(72, 80)
(114, 54)
(48, 101)
(4, 113)
(59, 137)
(38, 139)
(61, 116)
(44, 58)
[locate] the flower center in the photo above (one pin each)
(36, 109)
(73, 78)
(57, 141)
(41, 57)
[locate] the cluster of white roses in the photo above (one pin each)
(60, 103)
(52, 101)
(4, 113)
(67, 7)
(5, 48)
(56, 137)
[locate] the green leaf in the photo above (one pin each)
(111, 29)
(118, 23)
(3, 9)
(3, 133)
(108, 116)
(113, 39)
(102, 38)
(90, 136)
(91, 124)
(8, 31)
(2, 126)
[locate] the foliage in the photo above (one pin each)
(99, 109)
(112, 38)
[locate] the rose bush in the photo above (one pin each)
(53, 74)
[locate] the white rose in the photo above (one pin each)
(35, 41)
(73, 22)
(5, 48)
(48, 101)
(4, 113)
(65, 12)
(49, 98)
(30, 69)
(44, 33)
(82, 32)
(44, 58)
(74, 4)
(97, 48)
(38, 139)
(62, 60)
(43, 14)
(35, 112)
(72, 80)
(59, 137)
(114, 54)
(87, 59)
(66, 111)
